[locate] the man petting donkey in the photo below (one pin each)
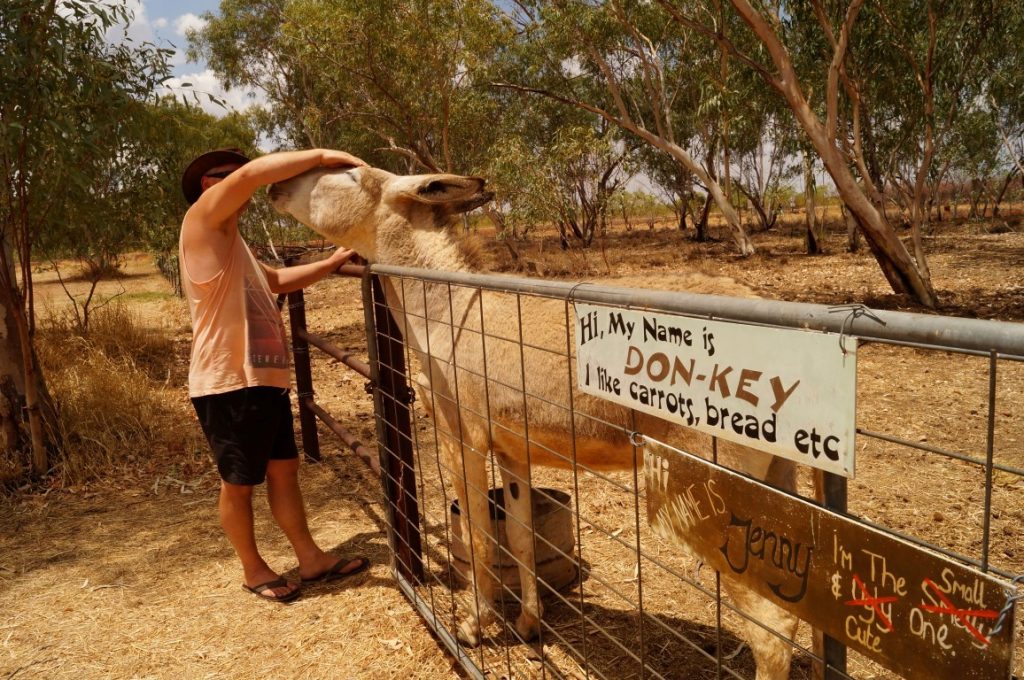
(239, 369)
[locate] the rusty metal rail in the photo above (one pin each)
(309, 410)
(350, 440)
(347, 358)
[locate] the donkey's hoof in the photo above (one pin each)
(469, 633)
(528, 627)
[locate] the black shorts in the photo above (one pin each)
(246, 428)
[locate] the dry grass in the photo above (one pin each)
(140, 583)
(130, 576)
(115, 400)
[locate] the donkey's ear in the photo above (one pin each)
(446, 190)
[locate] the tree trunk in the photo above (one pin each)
(1002, 192)
(700, 225)
(852, 231)
(975, 199)
(498, 220)
(19, 365)
(29, 414)
(12, 382)
(742, 240)
(683, 192)
(902, 273)
(813, 235)
(681, 214)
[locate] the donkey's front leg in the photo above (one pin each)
(478, 535)
(515, 477)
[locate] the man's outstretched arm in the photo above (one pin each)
(290, 279)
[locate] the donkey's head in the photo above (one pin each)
(352, 206)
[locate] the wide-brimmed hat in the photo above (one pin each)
(192, 178)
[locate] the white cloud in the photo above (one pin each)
(187, 22)
(143, 30)
(203, 81)
(139, 30)
(206, 83)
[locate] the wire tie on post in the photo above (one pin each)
(1005, 611)
(304, 394)
(636, 439)
(856, 310)
(369, 387)
(297, 305)
(572, 291)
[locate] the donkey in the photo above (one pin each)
(460, 336)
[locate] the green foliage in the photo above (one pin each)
(68, 98)
(922, 69)
(71, 140)
(395, 82)
(172, 133)
(632, 205)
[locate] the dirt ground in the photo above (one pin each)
(131, 577)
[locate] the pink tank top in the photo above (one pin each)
(238, 337)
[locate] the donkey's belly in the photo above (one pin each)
(555, 448)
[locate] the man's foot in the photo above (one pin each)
(340, 569)
(278, 590)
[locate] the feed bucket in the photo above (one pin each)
(552, 520)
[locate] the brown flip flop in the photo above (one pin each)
(265, 591)
(337, 571)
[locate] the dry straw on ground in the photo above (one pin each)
(130, 577)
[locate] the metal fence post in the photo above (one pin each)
(834, 651)
(303, 375)
(392, 397)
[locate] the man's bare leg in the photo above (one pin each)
(287, 507)
(235, 507)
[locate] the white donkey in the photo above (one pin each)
(460, 335)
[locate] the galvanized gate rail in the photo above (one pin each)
(388, 372)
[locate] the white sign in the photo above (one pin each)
(791, 393)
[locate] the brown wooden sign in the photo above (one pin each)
(914, 612)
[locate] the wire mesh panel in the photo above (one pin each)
(534, 491)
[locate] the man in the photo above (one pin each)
(238, 374)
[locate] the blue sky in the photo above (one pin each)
(164, 22)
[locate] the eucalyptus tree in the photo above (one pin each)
(132, 197)
(394, 81)
(566, 178)
(625, 62)
(941, 55)
(974, 160)
(676, 184)
(587, 171)
(555, 164)
(875, 88)
(1006, 96)
(65, 92)
(764, 147)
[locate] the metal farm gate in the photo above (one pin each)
(910, 568)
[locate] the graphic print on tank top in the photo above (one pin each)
(267, 348)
